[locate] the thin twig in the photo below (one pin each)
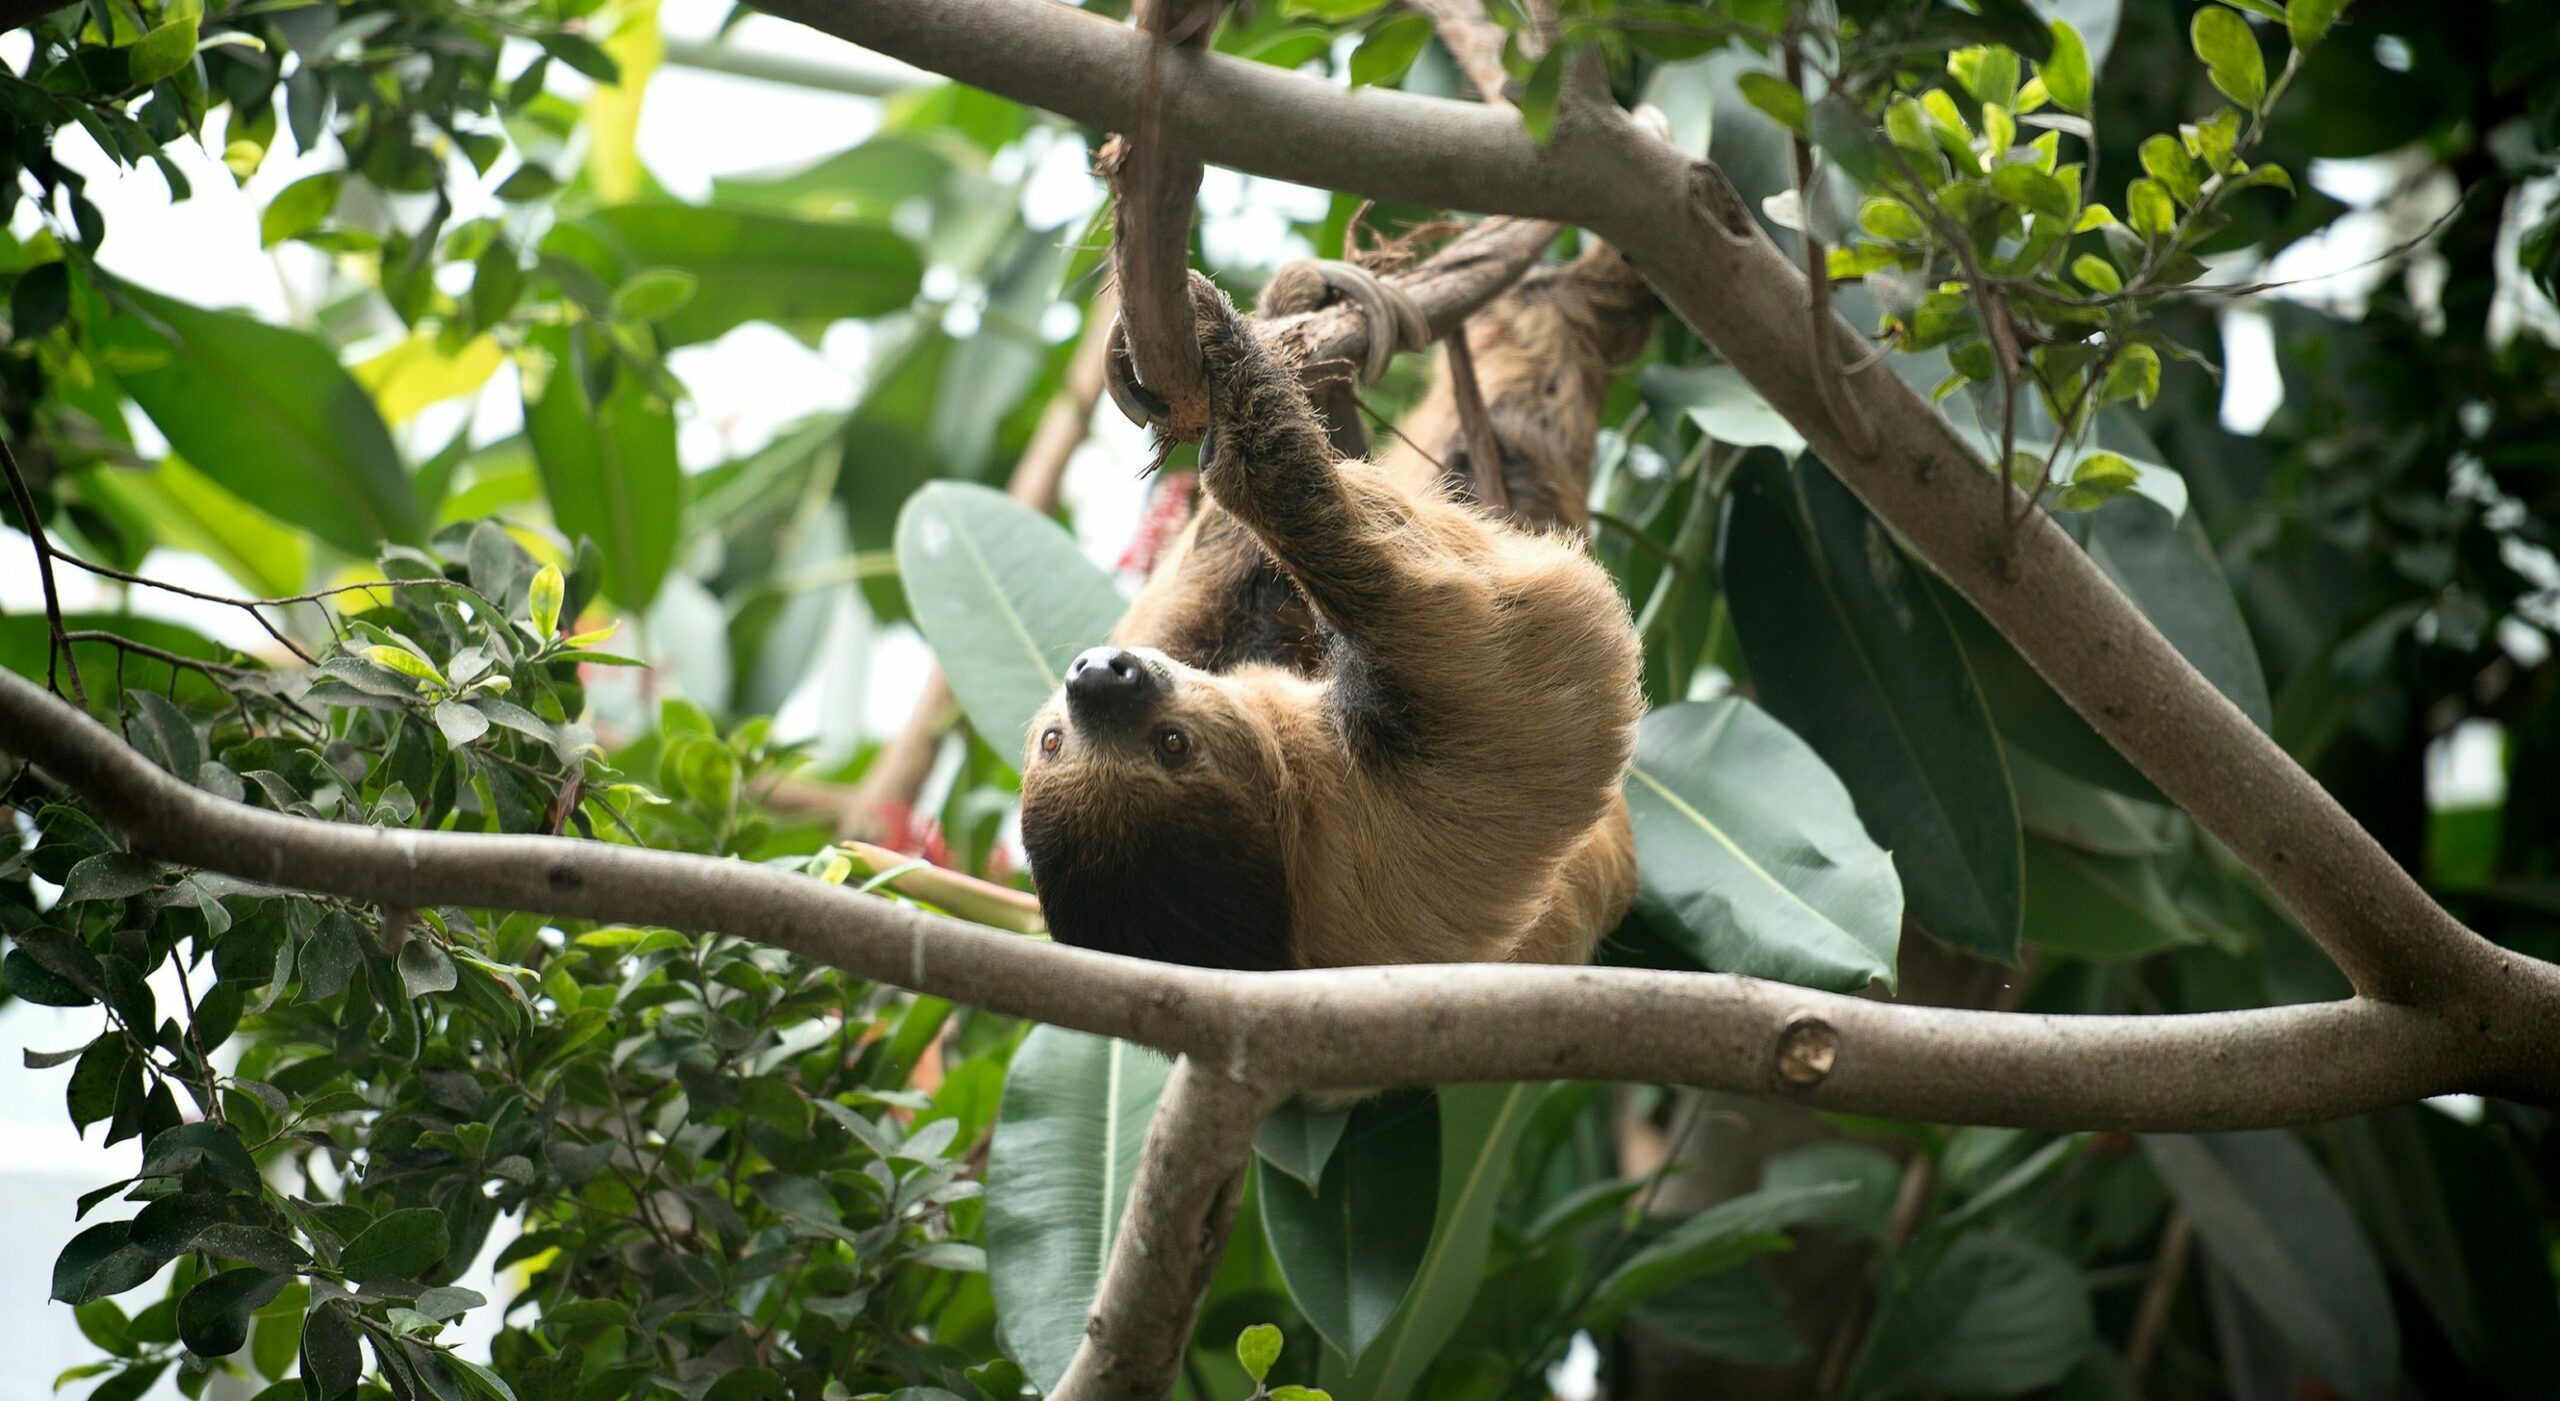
(58, 644)
(1484, 449)
(1908, 1200)
(2168, 1269)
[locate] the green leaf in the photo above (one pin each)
(1350, 1249)
(2097, 274)
(2168, 567)
(1993, 1316)
(2308, 21)
(1779, 99)
(1299, 1139)
(1721, 1236)
(2098, 478)
(1480, 1127)
(299, 208)
(163, 51)
(1735, 1314)
(207, 1151)
(40, 301)
(2101, 907)
(2147, 210)
(542, 599)
(213, 1318)
(1723, 405)
(271, 415)
(2166, 159)
(751, 265)
(1891, 220)
(1066, 1146)
(1006, 599)
(2066, 74)
(609, 468)
(193, 512)
(1388, 51)
(1848, 651)
(1540, 95)
(1257, 1348)
(2267, 1214)
(654, 295)
(1750, 853)
(2030, 188)
(1989, 73)
(104, 1325)
(2231, 56)
(111, 875)
(399, 1245)
(97, 1080)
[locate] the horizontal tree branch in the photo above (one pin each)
(1361, 1027)
(1689, 231)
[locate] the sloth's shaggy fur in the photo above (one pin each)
(1397, 721)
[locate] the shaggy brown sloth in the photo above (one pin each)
(1353, 718)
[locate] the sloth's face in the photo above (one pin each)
(1150, 797)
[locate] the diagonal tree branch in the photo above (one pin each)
(1685, 226)
(1183, 1203)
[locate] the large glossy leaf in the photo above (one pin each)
(1299, 1140)
(2030, 714)
(609, 468)
(185, 508)
(868, 181)
(1350, 1248)
(2085, 815)
(1751, 854)
(2269, 1217)
(1848, 650)
(1066, 1145)
(1005, 598)
(1994, 1316)
(752, 265)
(2094, 906)
(1480, 1126)
(271, 415)
(2384, 1169)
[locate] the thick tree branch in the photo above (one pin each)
(1367, 1027)
(1685, 226)
(1181, 1206)
(1155, 181)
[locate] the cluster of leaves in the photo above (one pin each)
(715, 1172)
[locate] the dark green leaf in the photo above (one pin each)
(112, 875)
(2267, 1214)
(40, 301)
(208, 1151)
(213, 1319)
(2093, 906)
(1847, 648)
(1993, 1316)
(1298, 1139)
(1389, 50)
(1350, 1249)
(401, 1245)
(271, 415)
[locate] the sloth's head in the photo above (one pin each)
(1151, 813)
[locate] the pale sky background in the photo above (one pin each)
(697, 125)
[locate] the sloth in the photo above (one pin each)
(1353, 717)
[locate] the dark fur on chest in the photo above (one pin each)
(1189, 878)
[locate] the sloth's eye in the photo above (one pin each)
(1172, 743)
(1049, 739)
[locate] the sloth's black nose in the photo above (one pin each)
(1110, 685)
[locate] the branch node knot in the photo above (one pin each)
(1804, 1053)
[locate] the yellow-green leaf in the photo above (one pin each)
(1775, 96)
(2229, 49)
(2308, 21)
(542, 597)
(417, 372)
(405, 662)
(2066, 73)
(2148, 210)
(2096, 273)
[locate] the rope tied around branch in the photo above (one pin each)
(1396, 321)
